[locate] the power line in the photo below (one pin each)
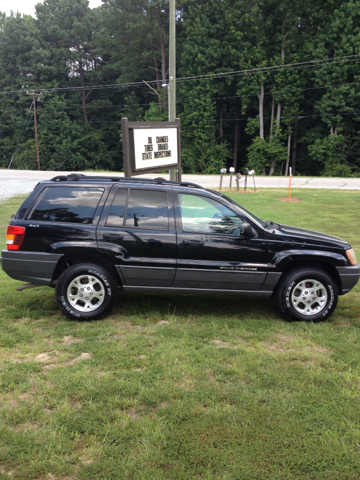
(289, 66)
(282, 91)
(273, 68)
(283, 116)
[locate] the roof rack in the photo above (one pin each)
(77, 177)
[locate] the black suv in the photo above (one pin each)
(88, 236)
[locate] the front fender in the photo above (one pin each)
(285, 258)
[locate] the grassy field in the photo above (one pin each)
(181, 387)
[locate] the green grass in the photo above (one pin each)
(181, 387)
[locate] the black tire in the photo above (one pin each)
(307, 294)
(86, 292)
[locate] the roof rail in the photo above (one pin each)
(85, 178)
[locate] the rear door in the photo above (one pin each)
(138, 228)
(212, 254)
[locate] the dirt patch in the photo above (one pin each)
(162, 322)
(11, 403)
(12, 400)
(75, 403)
(43, 358)
(211, 377)
(25, 427)
(51, 361)
(25, 396)
(9, 473)
(69, 340)
(80, 358)
(286, 344)
(293, 200)
(134, 413)
(186, 383)
(126, 326)
(222, 344)
(51, 476)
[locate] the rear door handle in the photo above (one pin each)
(113, 236)
(198, 243)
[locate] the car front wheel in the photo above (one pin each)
(307, 294)
(86, 292)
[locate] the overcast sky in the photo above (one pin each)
(28, 6)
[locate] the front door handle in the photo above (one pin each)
(113, 236)
(197, 243)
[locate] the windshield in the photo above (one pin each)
(250, 214)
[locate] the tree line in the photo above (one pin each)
(265, 84)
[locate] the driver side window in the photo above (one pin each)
(205, 215)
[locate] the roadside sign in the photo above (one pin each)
(151, 146)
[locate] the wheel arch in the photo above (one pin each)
(70, 259)
(292, 263)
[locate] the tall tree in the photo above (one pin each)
(137, 34)
(21, 60)
(67, 28)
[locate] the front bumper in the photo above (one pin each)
(33, 267)
(349, 277)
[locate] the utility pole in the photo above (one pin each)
(36, 135)
(172, 73)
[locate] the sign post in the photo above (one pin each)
(172, 73)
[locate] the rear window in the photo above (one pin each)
(67, 204)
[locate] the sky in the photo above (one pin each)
(28, 6)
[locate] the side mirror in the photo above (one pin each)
(247, 230)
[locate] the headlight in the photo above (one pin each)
(351, 256)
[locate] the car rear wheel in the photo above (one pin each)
(307, 294)
(86, 292)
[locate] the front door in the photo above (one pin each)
(212, 254)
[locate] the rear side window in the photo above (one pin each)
(145, 209)
(67, 204)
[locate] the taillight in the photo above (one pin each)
(15, 237)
